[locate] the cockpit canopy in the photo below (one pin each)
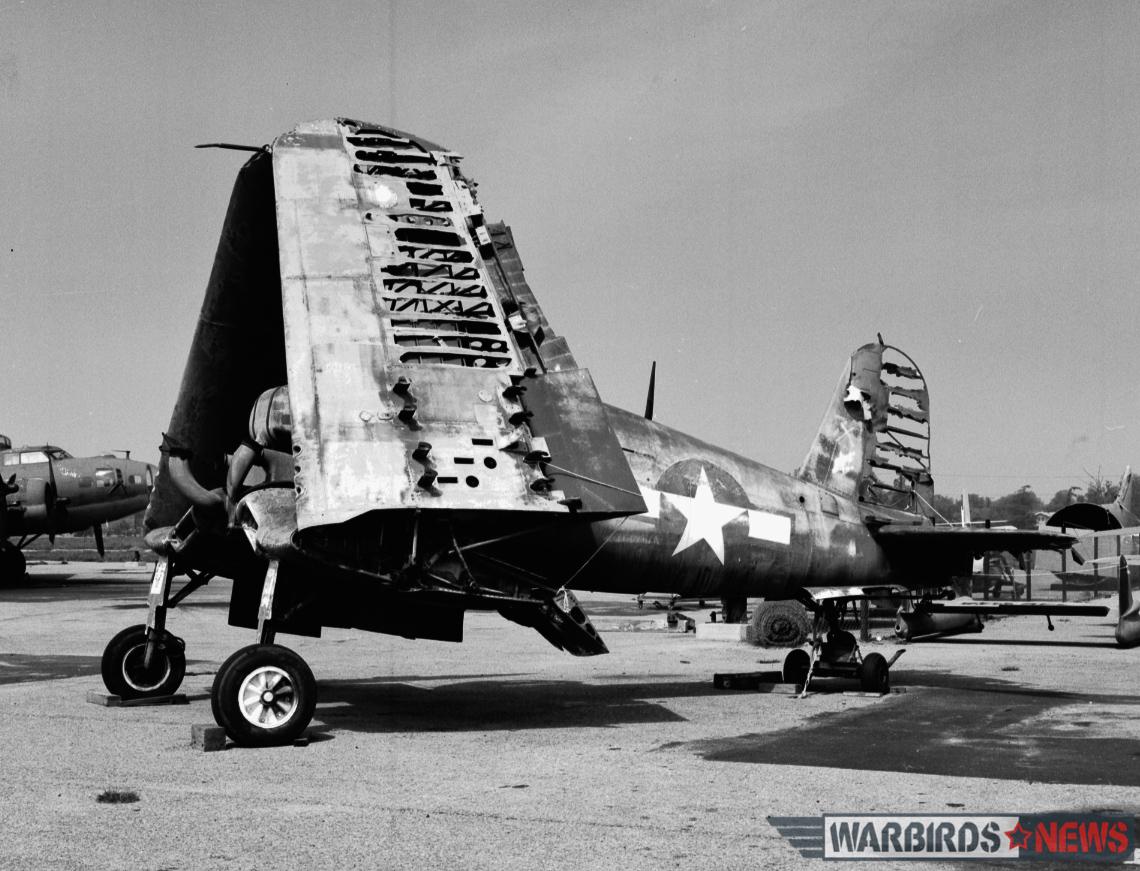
(40, 454)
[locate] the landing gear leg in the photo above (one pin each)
(265, 631)
(146, 661)
(156, 603)
(735, 609)
(819, 627)
(264, 694)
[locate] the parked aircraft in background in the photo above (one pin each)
(408, 439)
(1116, 514)
(933, 618)
(44, 490)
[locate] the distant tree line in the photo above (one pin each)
(1020, 507)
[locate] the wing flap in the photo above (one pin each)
(586, 460)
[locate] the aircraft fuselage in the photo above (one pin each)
(718, 525)
(68, 494)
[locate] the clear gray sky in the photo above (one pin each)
(742, 191)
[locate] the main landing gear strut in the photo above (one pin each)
(836, 653)
(263, 694)
(146, 661)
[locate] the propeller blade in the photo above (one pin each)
(98, 530)
(652, 390)
(231, 146)
(49, 501)
(1077, 558)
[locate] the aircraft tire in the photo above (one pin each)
(795, 668)
(263, 695)
(13, 566)
(122, 665)
(874, 674)
(782, 623)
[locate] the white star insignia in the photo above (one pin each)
(705, 518)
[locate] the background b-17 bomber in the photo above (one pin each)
(378, 429)
(44, 490)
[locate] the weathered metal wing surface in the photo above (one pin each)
(408, 353)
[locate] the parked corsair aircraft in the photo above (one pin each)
(422, 444)
(44, 490)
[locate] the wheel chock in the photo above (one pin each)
(757, 681)
(207, 737)
(107, 700)
(110, 700)
(745, 680)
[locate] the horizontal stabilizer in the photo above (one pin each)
(1041, 609)
(970, 541)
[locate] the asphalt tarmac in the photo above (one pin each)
(504, 753)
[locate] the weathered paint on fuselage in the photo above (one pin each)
(720, 524)
(88, 490)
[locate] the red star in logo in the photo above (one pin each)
(1019, 837)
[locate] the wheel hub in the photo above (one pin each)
(138, 676)
(267, 698)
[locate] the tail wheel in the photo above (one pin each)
(874, 675)
(779, 624)
(124, 668)
(796, 665)
(264, 694)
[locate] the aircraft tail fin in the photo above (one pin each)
(874, 441)
(846, 437)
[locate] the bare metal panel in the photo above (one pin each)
(397, 345)
(587, 462)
